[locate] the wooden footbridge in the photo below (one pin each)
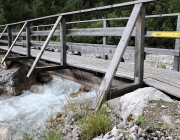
(102, 74)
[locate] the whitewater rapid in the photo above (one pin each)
(29, 111)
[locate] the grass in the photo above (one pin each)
(95, 124)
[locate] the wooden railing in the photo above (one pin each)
(105, 32)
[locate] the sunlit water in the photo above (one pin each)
(30, 110)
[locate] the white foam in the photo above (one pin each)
(29, 111)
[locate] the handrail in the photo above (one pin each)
(110, 19)
(85, 11)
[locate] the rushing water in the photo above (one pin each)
(29, 111)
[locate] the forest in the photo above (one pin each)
(13, 11)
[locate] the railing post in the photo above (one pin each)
(139, 47)
(177, 47)
(105, 38)
(12, 35)
(38, 37)
(63, 41)
(28, 39)
(9, 36)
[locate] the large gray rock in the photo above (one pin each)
(13, 81)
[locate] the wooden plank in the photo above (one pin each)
(44, 46)
(110, 31)
(13, 42)
(17, 58)
(124, 70)
(163, 87)
(99, 48)
(50, 68)
(63, 42)
(139, 48)
(177, 47)
(109, 76)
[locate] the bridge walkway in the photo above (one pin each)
(162, 79)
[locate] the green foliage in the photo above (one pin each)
(164, 127)
(141, 119)
(156, 125)
(95, 124)
(127, 135)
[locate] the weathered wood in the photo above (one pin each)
(163, 87)
(111, 31)
(98, 48)
(3, 31)
(44, 45)
(17, 58)
(38, 37)
(109, 76)
(13, 42)
(139, 48)
(120, 91)
(82, 64)
(63, 41)
(105, 38)
(28, 45)
(50, 68)
(9, 35)
(177, 47)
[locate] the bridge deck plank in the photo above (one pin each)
(162, 79)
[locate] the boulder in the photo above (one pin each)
(13, 81)
(44, 77)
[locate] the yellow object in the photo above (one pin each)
(166, 34)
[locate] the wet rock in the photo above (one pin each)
(13, 81)
(44, 77)
(84, 88)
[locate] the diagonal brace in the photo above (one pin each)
(44, 45)
(3, 31)
(14, 42)
(109, 76)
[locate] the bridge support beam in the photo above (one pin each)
(63, 41)
(109, 76)
(139, 48)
